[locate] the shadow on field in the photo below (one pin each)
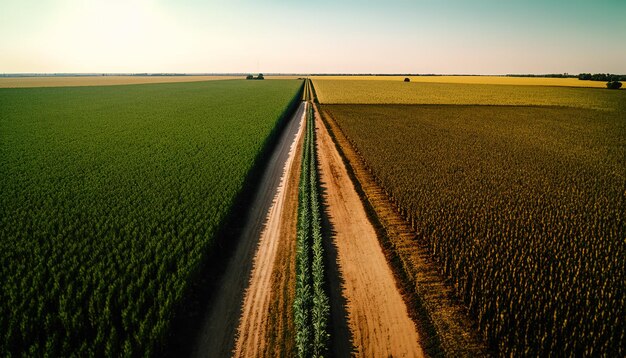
(341, 344)
(187, 331)
(189, 320)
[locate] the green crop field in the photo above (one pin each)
(110, 198)
(524, 208)
(347, 91)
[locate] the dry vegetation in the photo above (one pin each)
(443, 324)
(485, 80)
(397, 92)
(523, 208)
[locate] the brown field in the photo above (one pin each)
(352, 91)
(485, 80)
(443, 325)
(281, 77)
(522, 208)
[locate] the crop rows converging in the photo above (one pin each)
(522, 207)
(306, 90)
(110, 201)
(311, 304)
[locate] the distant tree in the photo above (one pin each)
(260, 77)
(406, 79)
(599, 77)
(249, 77)
(614, 85)
(604, 77)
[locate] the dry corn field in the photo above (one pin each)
(344, 91)
(484, 80)
(523, 208)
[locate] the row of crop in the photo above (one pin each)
(311, 305)
(530, 235)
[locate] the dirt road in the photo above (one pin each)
(377, 317)
(254, 328)
(217, 337)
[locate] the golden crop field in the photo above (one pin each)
(523, 207)
(485, 80)
(349, 91)
(71, 81)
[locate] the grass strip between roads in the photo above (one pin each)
(311, 306)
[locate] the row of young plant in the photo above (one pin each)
(311, 305)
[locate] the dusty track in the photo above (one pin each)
(218, 334)
(280, 327)
(377, 317)
(254, 330)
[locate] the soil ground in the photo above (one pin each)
(217, 337)
(267, 317)
(377, 317)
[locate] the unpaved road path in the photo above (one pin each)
(377, 317)
(218, 334)
(254, 326)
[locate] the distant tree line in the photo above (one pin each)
(259, 77)
(605, 77)
(546, 75)
(614, 85)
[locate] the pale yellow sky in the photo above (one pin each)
(394, 36)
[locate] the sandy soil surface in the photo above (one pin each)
(280, 326)
(266, 281)
(377, 317)
(18, 82)
(218, 334)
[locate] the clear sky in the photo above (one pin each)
(322, 36)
